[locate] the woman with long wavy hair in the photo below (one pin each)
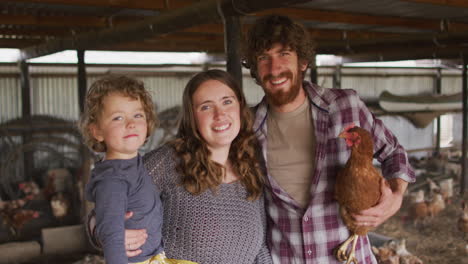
(210, 180)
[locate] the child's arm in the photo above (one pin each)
(111, 204)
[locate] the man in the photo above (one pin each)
(297, 124)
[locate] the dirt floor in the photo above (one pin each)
(435, 241)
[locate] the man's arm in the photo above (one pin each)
(389, 203)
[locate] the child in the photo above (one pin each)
(119, 116)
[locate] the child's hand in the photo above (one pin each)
(134, 239)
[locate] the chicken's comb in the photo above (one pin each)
(352, 125)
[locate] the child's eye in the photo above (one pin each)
(139, 115)
(117, 118)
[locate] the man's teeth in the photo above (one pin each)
(279, 81)
(221, 127)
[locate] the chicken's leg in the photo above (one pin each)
(341, 252)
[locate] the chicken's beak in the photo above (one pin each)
(343, 134)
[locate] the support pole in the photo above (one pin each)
(313, 70)
(28, 157)
(337, 77)
(232, 46)
(81, 79)
(464, 176)
(438, 90)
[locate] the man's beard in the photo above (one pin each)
(280, 98)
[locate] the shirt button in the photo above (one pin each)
(306, 219)
(309, 252)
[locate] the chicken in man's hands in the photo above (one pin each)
(358, 187)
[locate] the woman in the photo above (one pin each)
(209, 178)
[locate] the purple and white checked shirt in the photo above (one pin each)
(297, 235)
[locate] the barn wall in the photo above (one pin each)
(54, 90)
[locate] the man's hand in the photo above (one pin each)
(390, 202)
(134, 239)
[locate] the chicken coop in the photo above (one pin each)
(44, 164)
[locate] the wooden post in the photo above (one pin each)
(28, 157)
(438, 90)
(464, 176)
(81, 79)
(232, 44)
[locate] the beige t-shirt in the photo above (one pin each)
(291, 151)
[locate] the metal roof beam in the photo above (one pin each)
(199, 13)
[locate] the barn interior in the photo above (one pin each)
(44, 161)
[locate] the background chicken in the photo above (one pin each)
(357, 187)
(463, 220)
(16, 218)
(418, 209)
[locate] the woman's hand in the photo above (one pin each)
(134, 239)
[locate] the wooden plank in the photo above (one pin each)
(128, 4)
(454, 3)
(200, 13)
(363, 19)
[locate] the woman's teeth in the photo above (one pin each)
(220, 128)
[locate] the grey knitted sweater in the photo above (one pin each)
(210, 228)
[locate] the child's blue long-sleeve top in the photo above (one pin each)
(119, 186)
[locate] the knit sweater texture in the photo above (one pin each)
(212, 227)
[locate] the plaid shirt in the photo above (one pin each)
(297, 235)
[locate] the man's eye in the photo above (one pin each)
(262, 58)
(284, 53)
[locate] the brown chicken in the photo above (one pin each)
(357, 187)
(16, 218)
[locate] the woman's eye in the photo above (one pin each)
(204, 107)
(228, 101)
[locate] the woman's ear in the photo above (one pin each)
(96, 132)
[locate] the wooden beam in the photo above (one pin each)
(363, 19)
(127, 4)
(454, 3)
(200, 13)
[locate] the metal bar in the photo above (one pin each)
(232, 46)
(81, 79)
(199, 13)
(464, 176)
(438, 90)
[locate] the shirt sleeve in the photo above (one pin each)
(387, 150)
(110, 208)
